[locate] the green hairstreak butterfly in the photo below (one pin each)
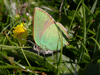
(46, 31)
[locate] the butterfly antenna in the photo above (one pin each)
(27, 40)
(35, 47)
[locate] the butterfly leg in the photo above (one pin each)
(35, 47)
(44, 53)
(52, 55)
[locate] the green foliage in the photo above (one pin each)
(79, 17)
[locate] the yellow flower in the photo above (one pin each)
(18, 30)
(20, 33)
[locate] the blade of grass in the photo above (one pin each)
(97, 43)
(85, 48)
(91, 12)
(74, 16)
(7, 26)
(15, 62)
(12, 47)
(7, 4)
(25, 57)
(84, 33)
(60, 58)
(94, 6)
(10, 31)
(18, 67)
(84, 22)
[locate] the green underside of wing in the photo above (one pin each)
(51, 39)
(48, 36)
(39, 23)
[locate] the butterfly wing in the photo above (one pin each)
(46, 31)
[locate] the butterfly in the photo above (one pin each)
(47, 33)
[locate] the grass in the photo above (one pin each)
(80, 57)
